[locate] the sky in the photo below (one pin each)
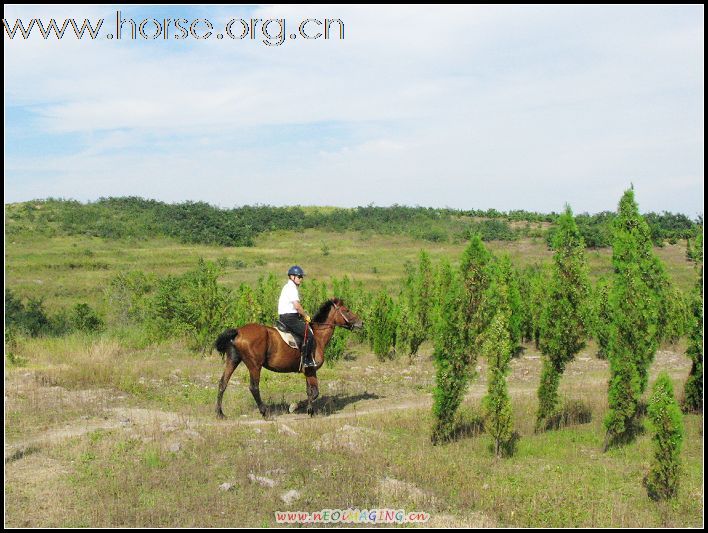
(468, 107)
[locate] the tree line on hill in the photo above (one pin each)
(201, 223)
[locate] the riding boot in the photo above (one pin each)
(308, 362)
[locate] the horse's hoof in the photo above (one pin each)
(310, 411)
(220, 415)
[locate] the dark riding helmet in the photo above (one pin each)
(296, 271)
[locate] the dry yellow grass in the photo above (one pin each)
(118, 452)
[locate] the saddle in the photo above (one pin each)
(287, 336)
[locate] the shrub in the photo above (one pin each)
(12, 348)
(193, 306)
(30, 318)
(382, 327)
(126, 295)
(415, 302)
(84, 318)
(663, 479)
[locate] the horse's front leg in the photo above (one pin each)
(312, 390)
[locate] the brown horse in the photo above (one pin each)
(260, 346)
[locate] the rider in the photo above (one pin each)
(291, 311)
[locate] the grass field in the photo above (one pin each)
(100, 432)
(69, 270)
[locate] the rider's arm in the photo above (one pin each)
(300, 310)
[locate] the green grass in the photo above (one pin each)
(69, 270)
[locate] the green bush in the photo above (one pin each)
(126, 296)
(663, 479)
(192, 306)
(84, 318)
(415, 304)
(382, 326)
(30, 318)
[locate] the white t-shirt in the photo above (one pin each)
(288, 295)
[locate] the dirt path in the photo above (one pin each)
(132, 418)
(124, 418)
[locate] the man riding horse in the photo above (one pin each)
(260, 346)
(294, 317)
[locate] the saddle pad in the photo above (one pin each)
(288, 338)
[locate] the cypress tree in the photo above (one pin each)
(539, 299)
(451, 359)
(416, 304)
(383, 325)
(663, 478)
(503, 291)
(693, 390)
(474, 269)
(533, 287)
(497, 349)
(563, 319)
(633, 332)
(601, 315)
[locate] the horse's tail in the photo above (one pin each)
(224, 343)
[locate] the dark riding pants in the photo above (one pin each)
(295, 323)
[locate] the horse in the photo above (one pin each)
(260, 346)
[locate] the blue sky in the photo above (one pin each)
(509, 107)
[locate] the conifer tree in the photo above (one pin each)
(383, 325)
(533, 287)
(497, 349)
(416, 303)
(634, 329)
(503, 290)
(663, 478)
(474, 269)
(693, 391)
(563, 320)
(601, 316)
(450, 353)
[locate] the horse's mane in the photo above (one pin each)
(323, 312)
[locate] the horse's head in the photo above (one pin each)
(343, 317)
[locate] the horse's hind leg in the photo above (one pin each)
(232, 361)
(255, 390)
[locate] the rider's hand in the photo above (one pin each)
(308, 319)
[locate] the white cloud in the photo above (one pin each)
(508, 107)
